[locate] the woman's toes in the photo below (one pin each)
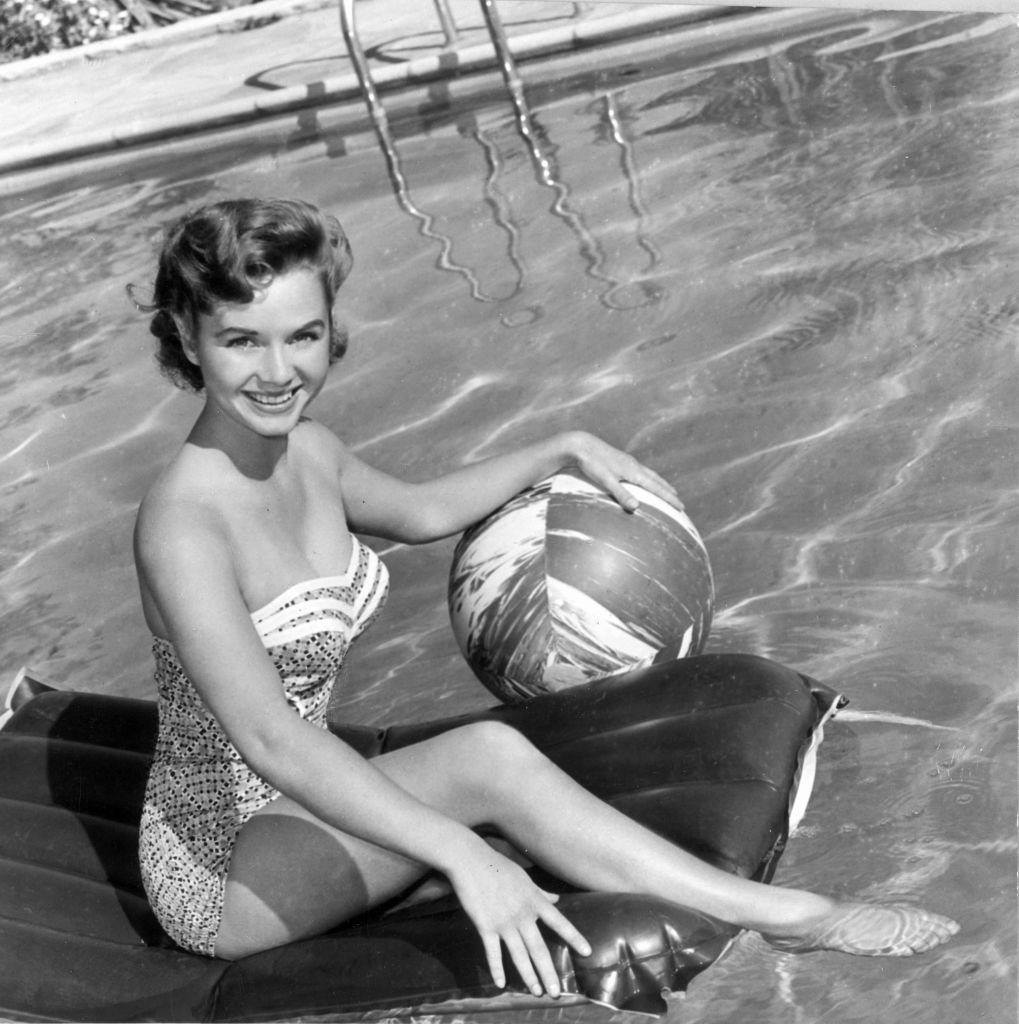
(862, 929)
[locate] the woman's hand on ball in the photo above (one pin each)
(612, 469)
(506, 907)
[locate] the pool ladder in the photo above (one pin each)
(544, 166)
(496, 32)
(380, 122)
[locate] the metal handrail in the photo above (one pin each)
(507, 65)
(446, 20)
(496, 32)
(380, 123)
(544, 165)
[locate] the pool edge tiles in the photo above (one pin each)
(120, 133)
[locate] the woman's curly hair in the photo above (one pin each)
(226, 252)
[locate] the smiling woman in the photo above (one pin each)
(245, 244)
(259, 370)
(777, 264)
(254, 588)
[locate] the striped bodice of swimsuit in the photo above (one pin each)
(306, 631)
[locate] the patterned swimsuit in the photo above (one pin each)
(200, 791)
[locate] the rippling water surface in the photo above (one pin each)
(781, 271)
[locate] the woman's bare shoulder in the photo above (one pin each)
(319, 443)
(180, 539)
(182, 505)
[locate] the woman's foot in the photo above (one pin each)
(865, 929)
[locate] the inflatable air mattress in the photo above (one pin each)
(711, 751)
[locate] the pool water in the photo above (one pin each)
(780, 270)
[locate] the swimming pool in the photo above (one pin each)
(780, 270)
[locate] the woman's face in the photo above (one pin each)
(264, 361)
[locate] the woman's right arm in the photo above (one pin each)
(187, 575)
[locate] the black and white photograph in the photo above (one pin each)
(508, 511)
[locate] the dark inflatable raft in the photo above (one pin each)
(708, 751)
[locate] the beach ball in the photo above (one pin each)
(561, 586)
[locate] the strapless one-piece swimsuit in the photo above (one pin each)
(200, 792)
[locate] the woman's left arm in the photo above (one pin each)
(383, 506)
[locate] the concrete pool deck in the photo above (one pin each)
(273, 58)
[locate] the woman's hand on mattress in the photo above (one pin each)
(507, 907)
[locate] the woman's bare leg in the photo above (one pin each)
(293, 876)
(585, 841)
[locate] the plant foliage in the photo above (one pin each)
(31, 27)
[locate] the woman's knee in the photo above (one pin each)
(468, 772)
(497, 753)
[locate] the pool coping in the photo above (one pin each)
(237, 19)
(345, 86)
